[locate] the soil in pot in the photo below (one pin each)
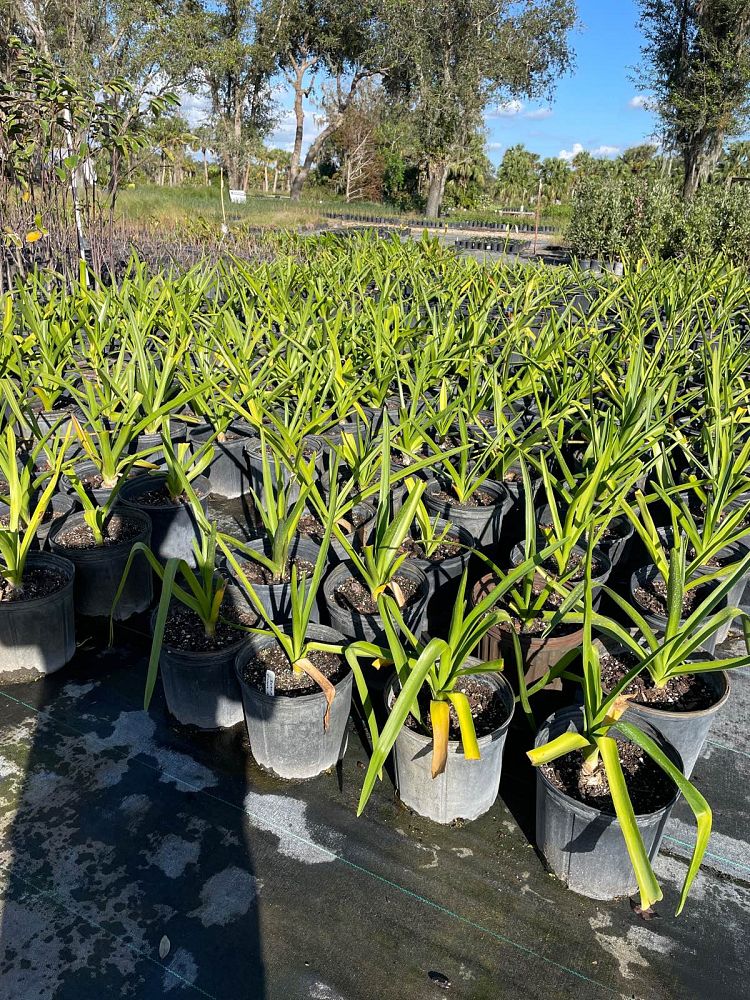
(184, 630)
(649, 787)
(479, 498)
(685, 693)
(258, 574)
(37, 582)
(488, 710)
(446, 550)
(117, 530)
(288, 681)
(354, 596)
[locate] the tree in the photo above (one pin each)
(640, 159)
(697, 64)
(556, 178)
(318, 40)
(518, 173)
(234, 48)
(450, 59)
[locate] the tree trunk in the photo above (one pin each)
(437, 174)
(205, 168)
(275, 177)
(265, 178)
(692, 174)
(299, 130)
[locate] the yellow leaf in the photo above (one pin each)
(397, 593)
(26, 196)
(322, 681)
(440, 719)
(33, 236)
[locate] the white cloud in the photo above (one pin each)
(508, 109)
(494, 145)
(639, 101)
(606, 151)
(568, 154)
(599, 151)
(538, 114)
(195, 107)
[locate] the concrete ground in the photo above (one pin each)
(140, 861)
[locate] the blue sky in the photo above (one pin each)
(596, 106)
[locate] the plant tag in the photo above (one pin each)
(270, 683)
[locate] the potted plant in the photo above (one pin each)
(295, 682)
(37, 631)
(196, 631)
(98, 541)
(352, 589)
(272, 558)
(681, 689)
(162, 494)
(605, 788)
(448, 712)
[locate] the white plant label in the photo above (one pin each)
(270, 683)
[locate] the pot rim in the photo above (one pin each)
(304, 699)
(493, 486)
(482, 741)
(76, 517)
(581, 808)
(62, 563)
(200, 485)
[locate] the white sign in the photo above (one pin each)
(237, 197)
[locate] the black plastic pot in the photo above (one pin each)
(583, 846)
(229, 472)
(467, 788)
(517, 556)
(286, 733)
(276, 598)
(37, 636)
(201, 687)
(483, 523)
(152, 444)
(173, 526)
(642, 577)
(355, 625)
(99, 570)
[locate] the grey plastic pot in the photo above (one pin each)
(286, 733)
(445, 570)
(152, 443)
(99, 570)
(100, 494)
(355, 625)
(643, 576)
(467, 788)
(583, 846)
(62, 505)
(229, 472)
(173, 526)
(482, 523)
(276, 598)
(37, 636)
(357, 537)
(255, 465)
(686, 731)
(201, 687)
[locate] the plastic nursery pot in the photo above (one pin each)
(99, 569)
(200, 686)
(729, 555)
(229, 472)
(358, 625)
(605, 568)
(641, 579)
(482, 523)
(37, 636)
(442, 571)
(61, 505)
(364, 514)
(151, 443)
(467, 788)
(173, 526)
(255, 465)
(615, 545)
(539, 652)
(688, 731)
(286, 733)
(86, 471)
(582, 845)
(276, 598)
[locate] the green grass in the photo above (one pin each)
(146, 203)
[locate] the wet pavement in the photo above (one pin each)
(137, 860)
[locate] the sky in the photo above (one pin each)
(597, 107)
